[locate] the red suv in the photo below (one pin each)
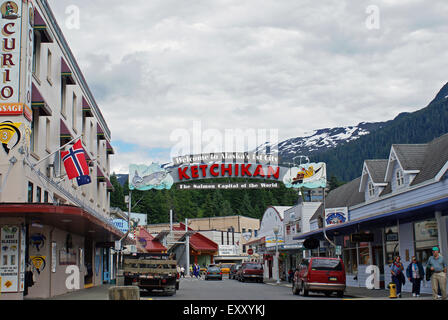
(320, 274)
(250, 270)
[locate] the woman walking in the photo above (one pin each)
(397, 274)
(415, 274)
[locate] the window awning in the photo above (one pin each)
(86, 109)
(81, 222)
(109, 185)
(100, 175)
(109, 148)
(41, 27)
(66, 72)
(100, 132)
(65, 134)
(38, 103)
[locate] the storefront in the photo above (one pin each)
(44, 245)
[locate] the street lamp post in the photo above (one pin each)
(276, 229)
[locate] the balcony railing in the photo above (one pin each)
(78, 202)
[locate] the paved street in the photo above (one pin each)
(199, 289)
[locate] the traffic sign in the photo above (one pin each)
(250, 252)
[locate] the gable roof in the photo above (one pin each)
(377, 169)
(281, 210)
(410, 156)
(436, 157)
(152, 245)
(198, 241)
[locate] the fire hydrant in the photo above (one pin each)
(392, 290)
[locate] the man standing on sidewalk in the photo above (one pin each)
(437, 265)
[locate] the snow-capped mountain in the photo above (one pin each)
(319, 140)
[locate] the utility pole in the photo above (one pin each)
(323, 221)
(187, 248)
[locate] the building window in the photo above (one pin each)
(426, 237)
(400, 179)
(371, 189)
(255, 233)
(222, 237)
(34, 132)
(36, 54)
(250, 231)
(288, 230)
(243, 230)
(46, 196)
(64, 96)
(30, 192)
(38, 194)
(49, 66)
(392, 243)
(298, 229)
(244, 248)
(74, 111)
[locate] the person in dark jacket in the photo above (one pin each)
(415, 274)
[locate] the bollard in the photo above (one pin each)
(124, 293)
(392, 290)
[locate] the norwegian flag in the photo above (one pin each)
(75, 163)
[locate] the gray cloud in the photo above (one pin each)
(155, 66)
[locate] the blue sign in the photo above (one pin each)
(121, 225)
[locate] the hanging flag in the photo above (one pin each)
(83, 180)
(75, 163)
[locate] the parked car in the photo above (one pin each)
(213, 272)
(225, 267)
(233, 271)
(250, 270)
(319, 274)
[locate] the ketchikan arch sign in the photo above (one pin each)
(226, 165)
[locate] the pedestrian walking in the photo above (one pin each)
(290, 275)
(397, 274)
(182, 272)
(415, 274)
(437, 266)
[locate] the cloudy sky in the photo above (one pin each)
(293, 65)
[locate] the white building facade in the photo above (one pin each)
(49, 223)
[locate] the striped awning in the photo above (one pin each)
(66, 72)
(86, 109)
(100, 175)
(100, 132)
(109, 148)
(65, 133)
(38, 103)
(41, 27)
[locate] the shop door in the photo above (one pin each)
(106, 262)
(270, 269)
(88, 257)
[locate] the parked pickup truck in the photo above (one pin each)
(151, 271)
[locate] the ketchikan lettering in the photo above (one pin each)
(227, 170)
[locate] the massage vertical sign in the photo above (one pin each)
(9, 263)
